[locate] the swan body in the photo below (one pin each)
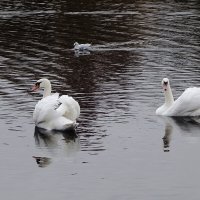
(82, 47)
(188, 104)
(54, 112)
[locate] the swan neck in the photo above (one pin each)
(169, 99)
(47, 90)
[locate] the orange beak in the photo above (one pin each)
(35, 87)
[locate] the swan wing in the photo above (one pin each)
(45, 109)
(68, 108)
(188, 104)
(84, 46)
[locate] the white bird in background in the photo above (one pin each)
(53, 112)
(82, 47)
(188, 104)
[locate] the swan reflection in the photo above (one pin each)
(188, 126)
(78, 53)
(167, 137)
(48, 137)
(42, 161)
(55, 144)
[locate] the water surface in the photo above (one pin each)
(121, 149)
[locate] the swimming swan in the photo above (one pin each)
(53, 112)
(188, 104)
(82, 47)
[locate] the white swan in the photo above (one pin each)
(53, 112)
(188, 104)
(82, 47)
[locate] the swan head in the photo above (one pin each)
(41, 83)
(75, 44)
(165, 84)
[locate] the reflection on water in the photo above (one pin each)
(42, 161)
(54, 141)
(187, 126)
(167, 137)
(78, 53)
(117, 84)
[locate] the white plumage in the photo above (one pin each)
(53, 112)
(82, 47)
(188, 104)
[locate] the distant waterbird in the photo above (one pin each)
(82, 47)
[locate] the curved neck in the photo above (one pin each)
(47, 90)
(169, 99)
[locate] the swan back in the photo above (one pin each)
(69, 107)
(188, 104)
(82, 47)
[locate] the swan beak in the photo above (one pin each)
(35, 87)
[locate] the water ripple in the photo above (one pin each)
(134, 45)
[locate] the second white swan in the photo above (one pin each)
(188, 104)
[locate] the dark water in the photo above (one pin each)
(118, 151)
